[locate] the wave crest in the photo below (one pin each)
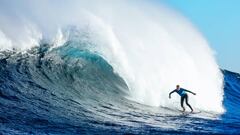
(151, 47)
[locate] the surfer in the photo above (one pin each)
(184, 96)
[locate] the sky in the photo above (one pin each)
(219, 22)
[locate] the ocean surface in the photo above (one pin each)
(72, 91)
(91, 67)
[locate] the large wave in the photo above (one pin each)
(150, 46)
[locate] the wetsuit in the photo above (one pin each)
(184, 96)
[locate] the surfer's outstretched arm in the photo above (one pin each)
(171, 93)
(190, 92)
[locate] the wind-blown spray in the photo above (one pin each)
(151, 47)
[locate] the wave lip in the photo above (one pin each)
(153, 55)
(60, 88)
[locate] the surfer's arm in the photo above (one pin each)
(171, 93)
(190, 92)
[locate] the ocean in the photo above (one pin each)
(81, 67)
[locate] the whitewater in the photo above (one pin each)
(85, 66)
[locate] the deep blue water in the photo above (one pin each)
(72, 91)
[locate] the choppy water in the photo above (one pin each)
(76, 92)
(91, 67)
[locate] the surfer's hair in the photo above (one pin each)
(177, 85)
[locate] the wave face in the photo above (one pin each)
(87, 67)
(67, 90)
(126, 34)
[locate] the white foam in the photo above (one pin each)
(155, 52)
(22, 37)
(151, 47)
(5, 43)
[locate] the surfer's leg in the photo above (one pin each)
(188, 103)
(182, 99)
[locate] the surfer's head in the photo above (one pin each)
(177, 86)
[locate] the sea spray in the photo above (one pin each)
(151, 47)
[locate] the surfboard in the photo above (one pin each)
(195, 112)
(187, 113)
(180, 112)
